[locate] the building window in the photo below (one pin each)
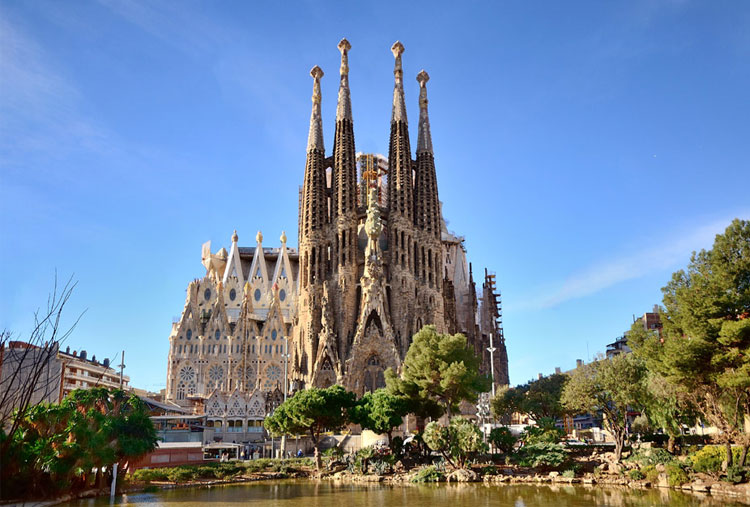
(207, 294)
(232, 295)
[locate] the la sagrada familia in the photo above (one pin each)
(375, 263)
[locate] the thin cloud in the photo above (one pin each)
(670, 253)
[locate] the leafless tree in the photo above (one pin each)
(27, 367)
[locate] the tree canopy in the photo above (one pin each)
(439, 372)
(610, 387)
(703, 352)
(380, 411)
(312, 411)
(538, 398)
(58, 445)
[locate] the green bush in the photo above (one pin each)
(648, 457)
(636, 475)
(543, 455)
(428, 474)
(150, 474)
(503, 439)
(676, 474)
(651, 474)
(181, 474)
(709, 459)
(735, 474)
(569, 474)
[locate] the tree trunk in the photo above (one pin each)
(619, 444)
(318, 462)
(670, 444)
(730, 458)
(390, 439)
(743, 456)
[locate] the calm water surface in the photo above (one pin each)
(297, 493)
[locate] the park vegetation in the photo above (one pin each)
(72, 446)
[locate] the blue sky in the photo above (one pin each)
(583, 148)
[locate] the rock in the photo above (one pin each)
(589, 480)
(462, 475)
(660, 468)
(700, 487)
(614, 468)
(662, 481)
(554, 474)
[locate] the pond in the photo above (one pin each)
(305, 493)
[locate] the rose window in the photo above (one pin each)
(187, 374)
(216, 373)
(274, 372)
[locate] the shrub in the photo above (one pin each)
(735, 474)
(428, 474)
(650, 473)
(569, 474)
(181, 474)
(676, 474)
(543, 455)
(648, 457)
(503, 439)
(150, 474)
(636, 475)
(709, 459)
(381, 467)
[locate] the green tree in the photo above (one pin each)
(57, 446)
(380, 412)
(312, 411)
(456, 442)
(502, 439)
(538, 398)
(607, 386)
(667, 405)
(439, 372)
(704, 350)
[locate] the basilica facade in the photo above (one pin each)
(375, 263)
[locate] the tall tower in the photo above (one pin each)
(313, 241)
(427, 219)
(402, 243)
(344, 210)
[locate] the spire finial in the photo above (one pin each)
(259, 238)
(283, 238)
(315, 138)
(344, 47)
(344, 107)
(399, 107)
(235, 238)
(397, 49)
(424, 137)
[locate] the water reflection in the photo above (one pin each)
(291, 493)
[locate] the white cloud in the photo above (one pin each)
(670, 252)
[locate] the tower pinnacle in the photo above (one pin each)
(315, 138)
(424, 138)
(344, 107)
(399, 106)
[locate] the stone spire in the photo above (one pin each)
(424, 138)
(400, 196)
(315, 138)
(399, 105)
(314, 209)
(426, 201)
(344, 107)
(344, 173)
